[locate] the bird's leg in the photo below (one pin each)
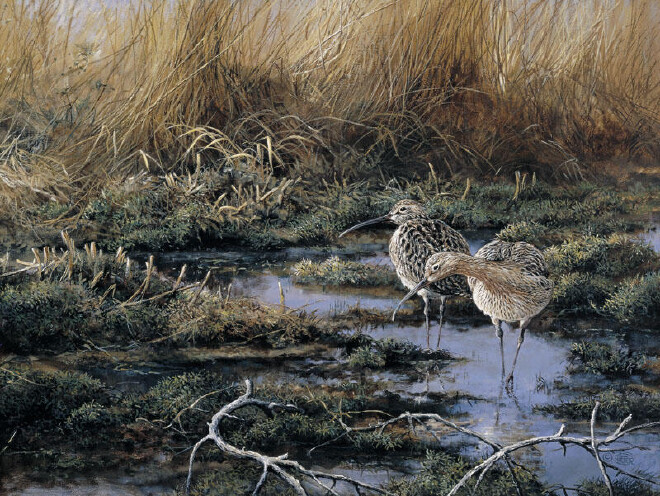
(521, 338)
(441, 315)
(428, 323)
(500, 394)
(499, 334)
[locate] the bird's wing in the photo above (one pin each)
(447, 238)
(417, 241)
(527, 256)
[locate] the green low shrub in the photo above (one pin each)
(614, 256)
(576, 291)
(441, 471)
(530, 232)
(44, 315)
(214, 321)
(366, 357)
(237, 479)
(267, 433)
(622, 487)
(91, 424)
(615, 406)
(391, 352)
(173, 394)
(337, 272)
(600, 358)
(636, 300)
(46, 399)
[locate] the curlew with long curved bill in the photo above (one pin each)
(509, 282)
(416, 238)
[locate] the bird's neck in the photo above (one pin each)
(496, 276)
(416, 219)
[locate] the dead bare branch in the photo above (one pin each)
(278, 465)
(588, 443)
(594, 447)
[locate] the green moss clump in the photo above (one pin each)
(44, 315)
(486, 206)
(44, 399)
(183, 213)
(266, 433)
(615, 406)
(54, 316)
(600, 358)
(580, 292)
(391, 352)
(341, 207)
(614, 256)
(636, 299)
(264, 239)
(169, 236)
(311, 428)
(186, 212)
(51, 210)
(622, 487)
(441, 471)
(237, 479)
(92, 423)
(530, 232)
(150, 218)
(171, 395)
(583, 208)
(214, 321)
(377, 441)
(337, 272)
(366, 357)
(141, 323)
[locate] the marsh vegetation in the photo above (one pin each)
(173, 178)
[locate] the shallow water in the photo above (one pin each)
(509, 418)
(652, 235)
(541, 375)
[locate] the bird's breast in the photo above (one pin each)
(510, 306)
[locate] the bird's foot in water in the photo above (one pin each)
(428, 351)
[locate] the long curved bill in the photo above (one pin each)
(377, 220)
(421, 285)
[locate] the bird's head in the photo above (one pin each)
(406, 210)
(438, 266)
(401, 212)
(441, 265)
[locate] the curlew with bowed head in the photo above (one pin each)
(509, 282)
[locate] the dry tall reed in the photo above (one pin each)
(90, 92)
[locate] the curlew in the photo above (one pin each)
(416, 238)
(509, 282)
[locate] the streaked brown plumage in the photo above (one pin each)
(416, 238)
(509, 282)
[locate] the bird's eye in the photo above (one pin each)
(403, 209)
(435, 267)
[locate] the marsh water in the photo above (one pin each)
(472, 379)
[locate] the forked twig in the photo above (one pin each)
(278, 465)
